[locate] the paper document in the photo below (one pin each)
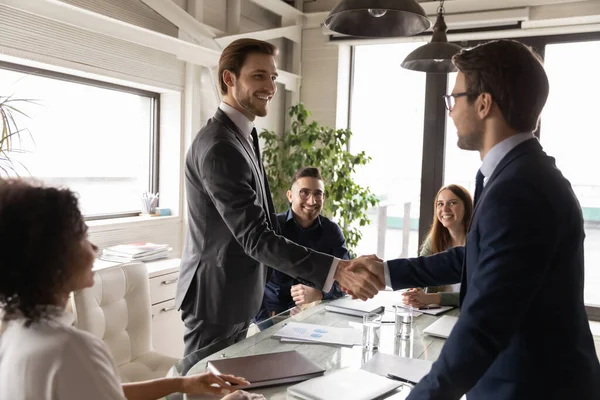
(320, 334)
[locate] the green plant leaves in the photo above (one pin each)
(310, 144)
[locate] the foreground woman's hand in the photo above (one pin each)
(210, 383)
(242, 395)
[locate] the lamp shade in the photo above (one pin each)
(435, 56)
(378, 18)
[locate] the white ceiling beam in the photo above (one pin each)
(585, 12)
(291, 81)
(293, 33)
(199, 32)
(486, 18)
(465, 6)
(279, 7)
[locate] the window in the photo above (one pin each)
(569, 129)
(95, 138)
(387, 114)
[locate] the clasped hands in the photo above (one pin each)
(362, 278)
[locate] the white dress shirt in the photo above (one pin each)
(52, 360)
(488, 166)
(246, 126)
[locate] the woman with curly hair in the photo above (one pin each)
(452, 210)
(45, 255)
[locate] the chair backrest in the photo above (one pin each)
(117, 309)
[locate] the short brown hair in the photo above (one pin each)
(513, 74)
(234, 56)
(307, 172)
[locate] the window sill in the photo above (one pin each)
(130, 220)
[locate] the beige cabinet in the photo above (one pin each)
(167, 327)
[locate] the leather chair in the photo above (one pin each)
(117, 309)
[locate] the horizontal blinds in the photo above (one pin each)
(33, 37)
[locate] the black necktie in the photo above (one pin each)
(256, 148)
(478, 186)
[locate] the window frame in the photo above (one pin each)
(432, 175)
(154, 155)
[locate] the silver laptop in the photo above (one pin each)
(442, 327)
(347, 384)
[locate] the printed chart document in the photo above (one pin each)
(319, 334)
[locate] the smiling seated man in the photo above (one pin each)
(304, 225)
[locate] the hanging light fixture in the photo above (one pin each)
(378, 18)
(435, 56)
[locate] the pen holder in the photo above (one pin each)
(149, 203)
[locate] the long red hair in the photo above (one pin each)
(438, 234)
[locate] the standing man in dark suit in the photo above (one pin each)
(231, 236)
(303, 224)
(523, 331)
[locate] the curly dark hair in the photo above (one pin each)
(40, 228)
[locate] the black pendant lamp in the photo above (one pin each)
(436, 56)
(378, 18)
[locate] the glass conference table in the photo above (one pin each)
(259, 340)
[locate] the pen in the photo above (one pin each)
(429, 308)
(397, 378)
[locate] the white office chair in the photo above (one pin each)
(117, 309)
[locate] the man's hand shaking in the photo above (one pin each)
(362, 277)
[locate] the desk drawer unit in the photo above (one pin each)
(167, 329)
(163, 287)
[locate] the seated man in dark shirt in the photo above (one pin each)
(304, 225)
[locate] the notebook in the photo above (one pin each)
(442, 327)
(268, 369)
(347, 384)
(355, 307)
(410, 370)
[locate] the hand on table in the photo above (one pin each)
(242, 395)
(302, 294)
(362, 277)
(210, 383)
(418, 298)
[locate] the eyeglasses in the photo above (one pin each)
(451, 99)
(306, 193)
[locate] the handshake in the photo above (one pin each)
(362, 278)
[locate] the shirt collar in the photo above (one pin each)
(290, 217)
(497, 153)
(240, 120)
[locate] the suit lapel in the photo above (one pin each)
(261, 179)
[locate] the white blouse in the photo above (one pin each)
(52, 360)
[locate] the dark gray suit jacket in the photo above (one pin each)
(230, 239)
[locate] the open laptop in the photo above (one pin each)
(442, 327)
(347, 384)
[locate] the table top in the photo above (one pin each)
(330, 357)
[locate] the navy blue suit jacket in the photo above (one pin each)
(523, 331)
(324, 236)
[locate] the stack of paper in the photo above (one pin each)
(310, 333)
(135, 252)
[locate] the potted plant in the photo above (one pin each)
(10, 133)
(310, 144)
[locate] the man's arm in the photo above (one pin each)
(227, 179)
(443, 268)
(516, 237)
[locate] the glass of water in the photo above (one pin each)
(404, 318)
(371, 330)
